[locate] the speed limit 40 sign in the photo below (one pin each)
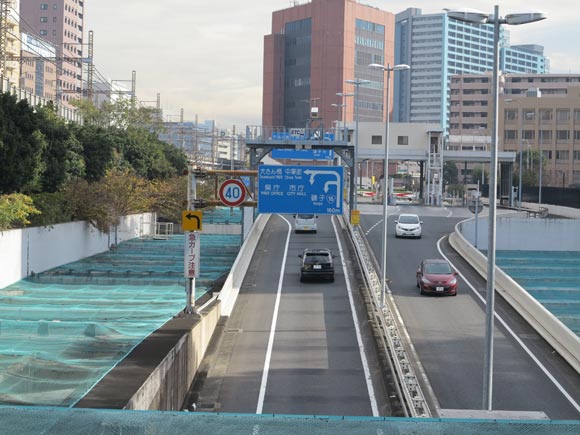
(232, 192)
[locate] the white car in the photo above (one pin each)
(408, 225)
(305, 223)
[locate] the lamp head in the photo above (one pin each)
(525, 17)
(468, 15)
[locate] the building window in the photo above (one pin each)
(528, 134)
(54, 19)
(562, 154)
(44, 19)
(563, 115)
(402, 140)
(562, 135)
(576, 134)
(44, 6)
(577, 115)
(376, 140)
(510, 114)
(43, 32)
(576, 155)
(510, 135)
(545, 136)
(529, 114)
(545, 114)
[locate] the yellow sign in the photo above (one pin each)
(191, 220)
(355, 217)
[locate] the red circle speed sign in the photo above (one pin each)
(232, 192)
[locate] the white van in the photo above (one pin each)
(305, 223)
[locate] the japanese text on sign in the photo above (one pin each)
(192, 254)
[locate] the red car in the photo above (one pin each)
(436, 276)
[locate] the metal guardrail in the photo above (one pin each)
(408, 387)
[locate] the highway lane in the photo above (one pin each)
(447, 332)
(292, 347)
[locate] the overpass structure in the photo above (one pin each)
(416, 142)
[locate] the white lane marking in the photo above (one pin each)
(516, 338)
(373, 227)
(361, 347)
(273, 327)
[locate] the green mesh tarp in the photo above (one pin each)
(62, 330)
(26, 421)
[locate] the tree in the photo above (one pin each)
(99, 150)
(450, 173)
(63, 154)
(21, 147)
(15, 209)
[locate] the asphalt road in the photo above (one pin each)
(448, 332)
(292, 347)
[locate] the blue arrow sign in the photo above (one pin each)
(300, 189)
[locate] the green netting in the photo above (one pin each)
(26, 421)
(552, 277)
(62, 330)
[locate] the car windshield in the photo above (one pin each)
(438, 268)
(305, 216)
(408, 219)
(319, 257)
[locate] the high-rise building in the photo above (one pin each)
(61, 23)
(313, 49)
(38, 74)
(437, 47)
(9, 41)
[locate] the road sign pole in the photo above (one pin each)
(190, 281)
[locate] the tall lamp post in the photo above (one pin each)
(344, 96)
(388, 70)
(353, 192)
(477, 17)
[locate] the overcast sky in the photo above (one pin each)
(206, 56)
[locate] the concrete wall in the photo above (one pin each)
(38, 249)
(526, 234)
(165, 389)
(231, 287)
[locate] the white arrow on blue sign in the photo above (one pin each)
(300, 189)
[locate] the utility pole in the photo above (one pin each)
(90, 69)
(4, 10)
(233, 147)
(133, 88)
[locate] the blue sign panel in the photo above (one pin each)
(303, 154)
(300, 189)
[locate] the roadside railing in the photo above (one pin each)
(392, 337)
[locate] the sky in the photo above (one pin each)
(205, 57)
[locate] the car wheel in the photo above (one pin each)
(418, 237)
(301, 278)
(421, 291)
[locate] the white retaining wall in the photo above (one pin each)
(521, 234)
(560, 337)
(37, 249)
(231, 288)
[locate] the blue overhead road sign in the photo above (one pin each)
(300, 189)
(316, 154)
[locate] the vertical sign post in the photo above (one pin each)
(191, 249)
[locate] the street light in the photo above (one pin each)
(338, 110)
(478, 17)
(344, 96)
(353, 193)
(388, 70)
